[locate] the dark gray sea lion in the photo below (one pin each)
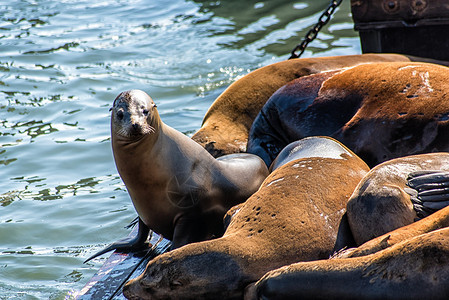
(380, 111)
(178, 189)
(294, 216)
(382, 202)
(227, 122)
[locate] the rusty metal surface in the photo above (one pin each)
(412, 27)
(371, 14)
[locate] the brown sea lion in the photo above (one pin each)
(178, 189)
(227, 122)
(417, 268)
(294, 216)
(380, 111)
(437, 220)
(381, 202)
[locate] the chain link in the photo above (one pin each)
(312, 34)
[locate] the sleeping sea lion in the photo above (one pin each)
(380, 111)
(437, 220)
(382, 202)
(294, 216)
(178, 189)
(417, 268)
(227, 122)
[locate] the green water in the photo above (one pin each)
(62, 63)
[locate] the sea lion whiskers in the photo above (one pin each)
(134, 132)
(150, 129)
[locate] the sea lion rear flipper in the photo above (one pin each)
(430, 191)
(128, 244)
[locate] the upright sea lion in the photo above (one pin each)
(417, 268)
(178, 189)
(226, 124)
(380, 111)
(294, 216)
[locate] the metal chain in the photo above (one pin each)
(312, 34)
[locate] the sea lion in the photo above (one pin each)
(178, 189)
(381, 202)
(437, 220)
(380, 111)
(417, 268)
(293, 216)
(227, 122)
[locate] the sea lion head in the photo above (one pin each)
(134, 115)
(189, 272)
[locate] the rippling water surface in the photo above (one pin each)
(61, 65)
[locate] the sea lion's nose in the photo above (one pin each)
(136, 127)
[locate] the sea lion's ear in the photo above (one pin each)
(110, 109)
(154, 105)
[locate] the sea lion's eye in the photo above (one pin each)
(145, 112)
(120, 115)
(175, 284)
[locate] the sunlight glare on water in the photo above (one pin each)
(62, 63)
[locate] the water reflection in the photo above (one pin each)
(6, 161)
(35, 188)
(74, 276)
(8, 197)
(83, 185)
(12, 94)
(29, 250)
(273, 26)
(31, 129)
(20, 98)
(66, 46)
(35, 128)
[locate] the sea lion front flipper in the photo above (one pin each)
(128, 244)
(188, 229)
(194, 227)
(430, 191)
